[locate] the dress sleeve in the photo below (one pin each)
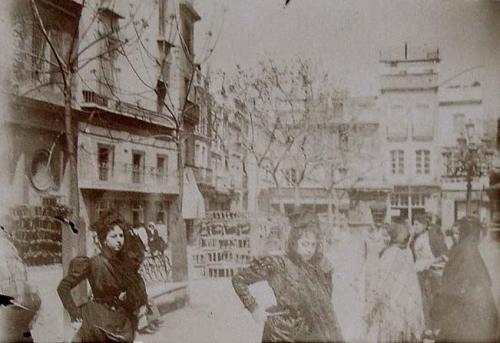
(259, 270)
(79, 269)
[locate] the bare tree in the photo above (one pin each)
(300, 132)
(279, 104)
(179, 105)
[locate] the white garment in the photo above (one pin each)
(348, 257)
(423, 252)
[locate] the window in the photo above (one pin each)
(397, 162)
(344, 137)
(394, 200)
(459, 123)
(338, 108)
(105, 160)
(137, 213)
(40, 52)
(418, 200)
(103, 206)
(138, 167)
(398, 122)
(187, 35)
(162, 8)
(108, 36)
(423, 162)
(423, 122)
(161, 168)
(203, 156)
(291, 177)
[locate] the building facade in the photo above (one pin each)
(128, 70)
(409, 101)
(461, 105)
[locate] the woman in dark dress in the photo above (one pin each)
(301, 282)
(464, 307)
(117, 289)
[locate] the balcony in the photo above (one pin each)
(461, 94)
(409, 53)
(203, 176)
(399, 82)
(94, 100)
(192, 113)
(126, 177)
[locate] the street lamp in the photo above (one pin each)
(470, 160)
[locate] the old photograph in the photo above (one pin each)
(245, 171)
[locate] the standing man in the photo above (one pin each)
(430, 254)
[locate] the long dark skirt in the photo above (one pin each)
(104, 324)
(285, 328)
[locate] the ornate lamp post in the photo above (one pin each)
(471, 159)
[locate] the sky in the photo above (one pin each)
(344, 37)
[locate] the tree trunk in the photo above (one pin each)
(73, 244)
(178, 230)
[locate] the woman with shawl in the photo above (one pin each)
(118, 290)
(464, 307)
(397, 314)
(301, 282)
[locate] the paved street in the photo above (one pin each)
(216, 316)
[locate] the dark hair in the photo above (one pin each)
(398, 232)
(424, 219)
(470, 226)
(302, 223)
(106, 222)
(134, 251)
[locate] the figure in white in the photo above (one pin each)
(349, 255)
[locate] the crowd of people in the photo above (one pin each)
(394, 283)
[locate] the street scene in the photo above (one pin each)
(269, 171)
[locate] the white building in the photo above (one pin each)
(409, 101)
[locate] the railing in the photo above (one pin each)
(412, 53)
(126, 175)
(408, 81)
(94, 98)
(125, 108)
(156, 267)
(104, 171)
(192, 113)
(225, 215)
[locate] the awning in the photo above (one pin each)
(193, 205)
(363, 185)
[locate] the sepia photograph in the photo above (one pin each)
(235, 171)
